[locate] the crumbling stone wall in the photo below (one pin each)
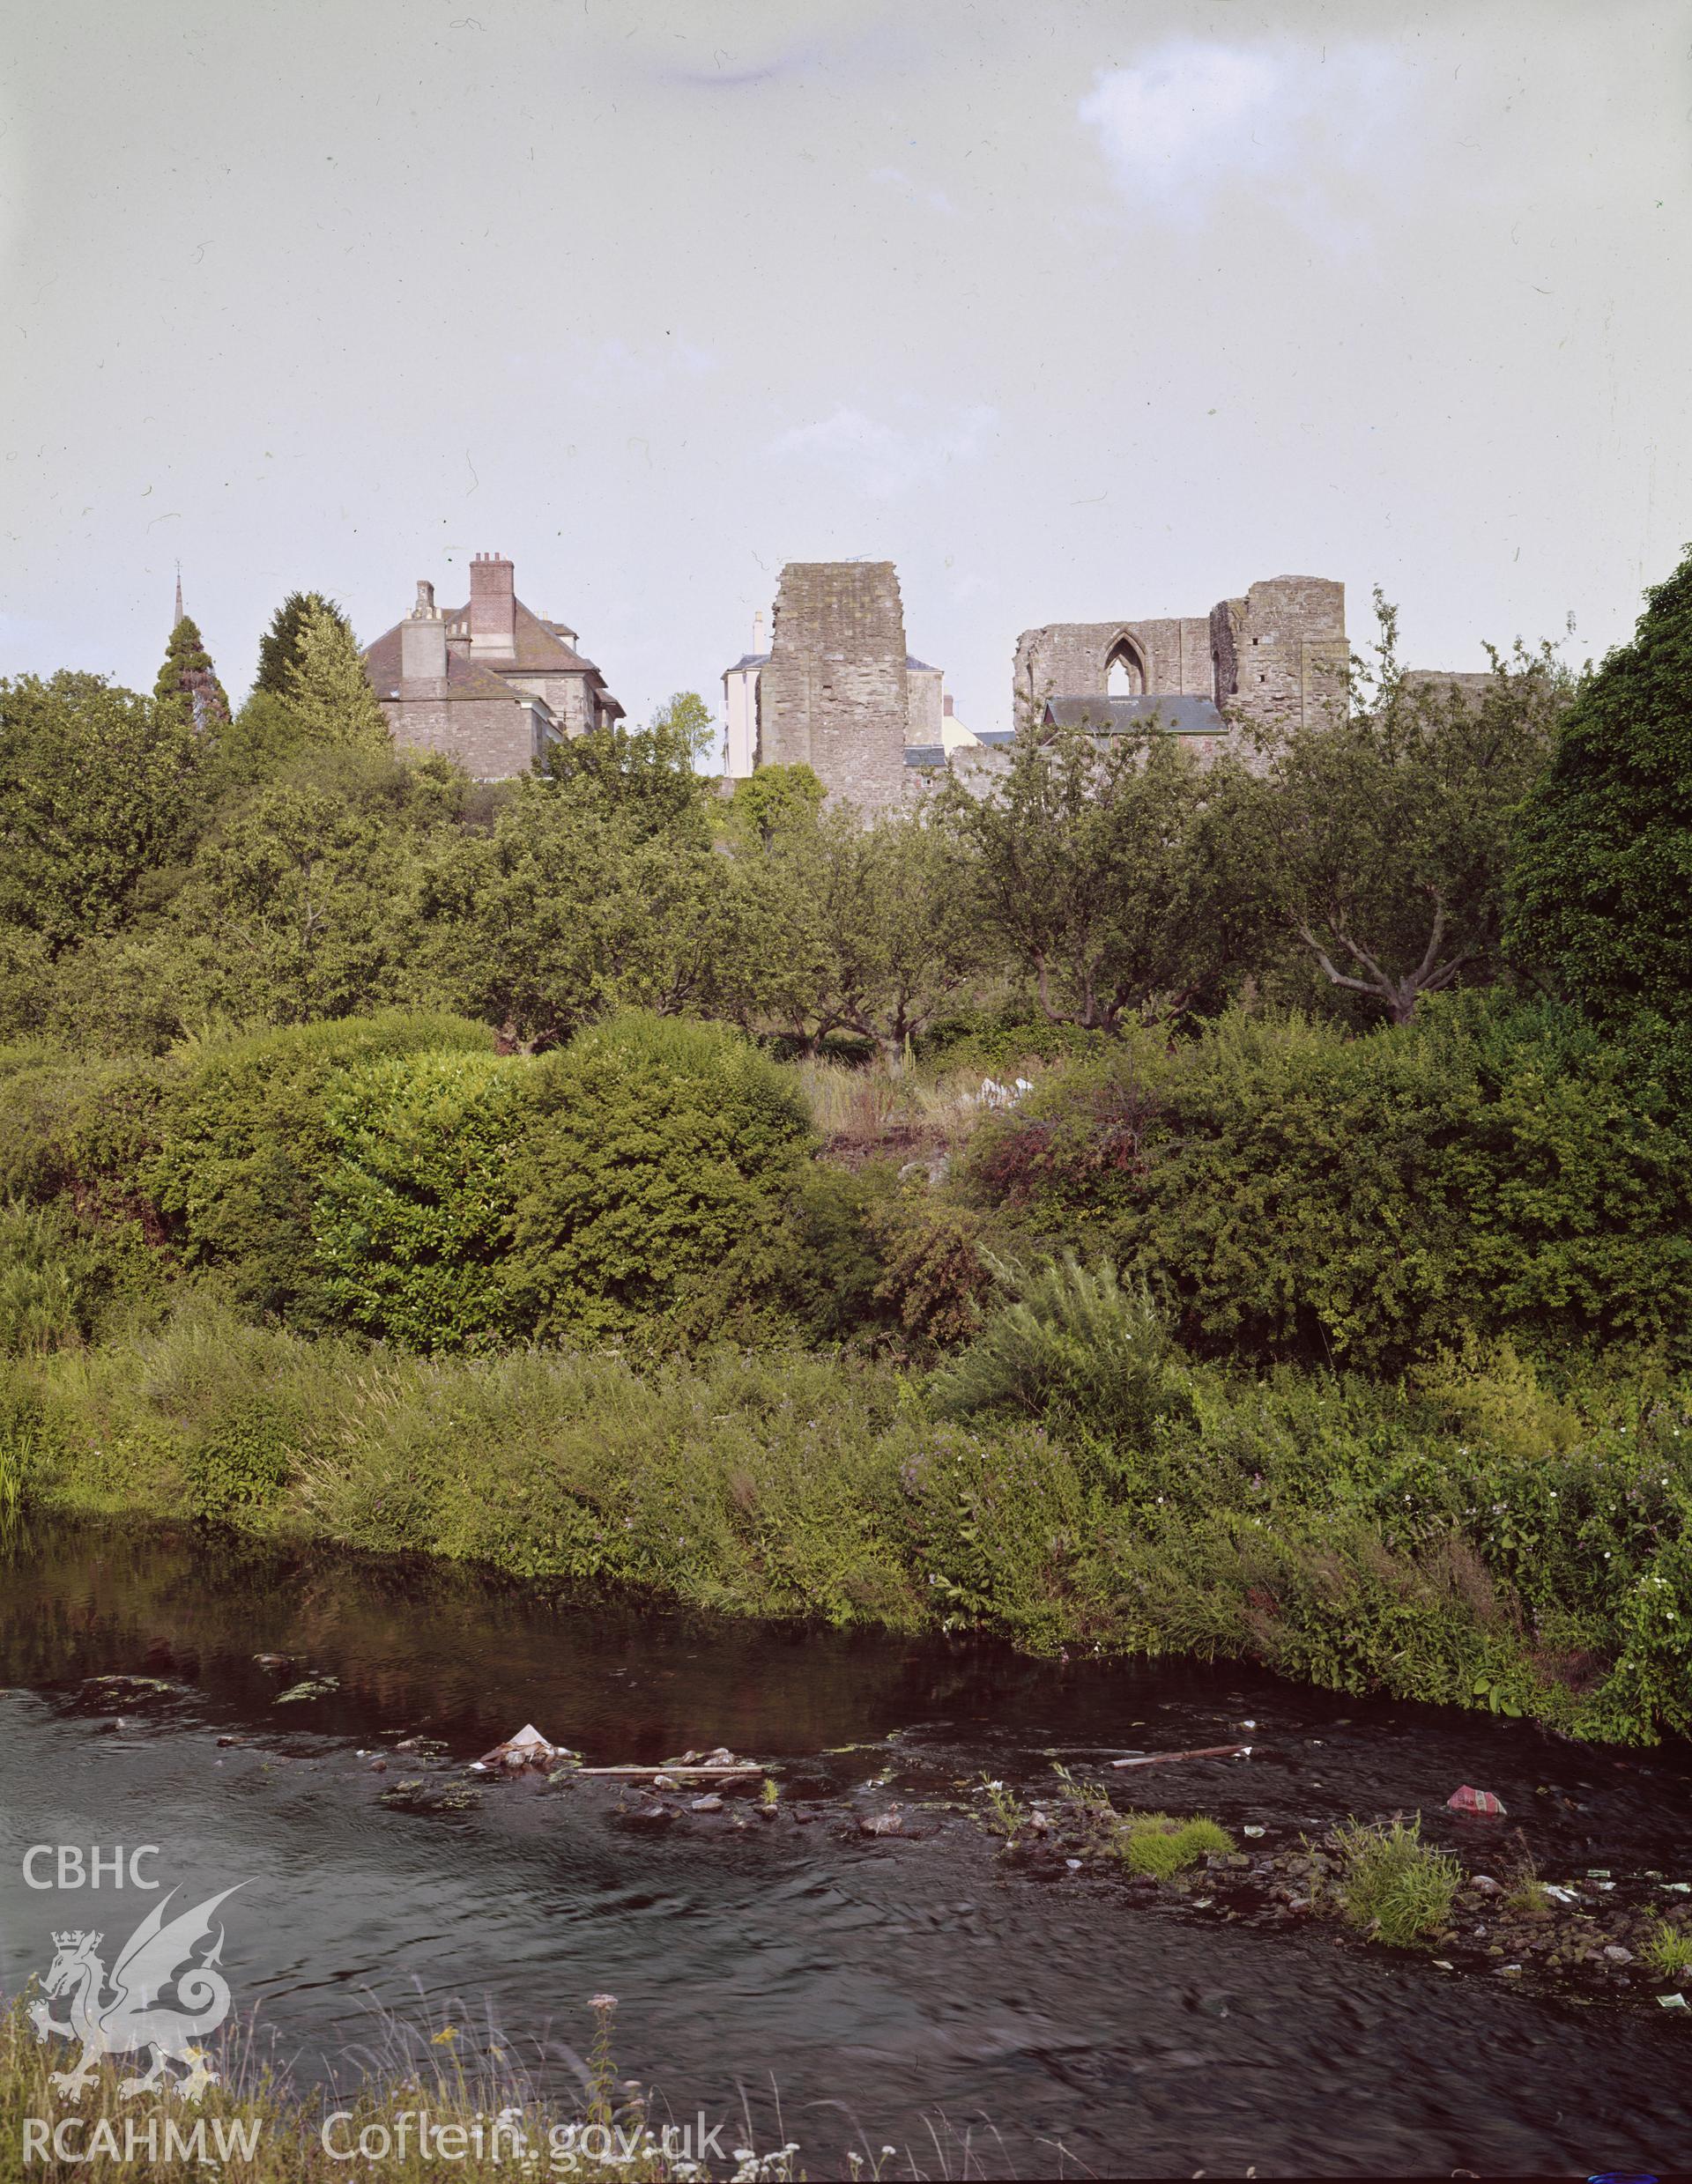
(832, 695)
(1277, 656)
(1285, 649)
(1073, 659)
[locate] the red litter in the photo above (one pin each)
(1467, 1800)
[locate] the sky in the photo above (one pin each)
(1078, 311)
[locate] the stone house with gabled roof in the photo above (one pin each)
(492, 684)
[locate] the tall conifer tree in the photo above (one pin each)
(278, 647)
(188, 675)
(328, 692)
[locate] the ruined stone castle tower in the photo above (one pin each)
(834, 693)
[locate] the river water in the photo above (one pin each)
(882, 1990)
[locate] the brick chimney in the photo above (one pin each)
(493, 605)
(423, 640)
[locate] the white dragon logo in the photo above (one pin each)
(128, 2021)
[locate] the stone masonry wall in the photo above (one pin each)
(1285, 649)
(492, 739)
(1072, 659)
(833, 696)
(1278, 655)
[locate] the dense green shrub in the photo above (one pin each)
(657, 1148)
(245, 1143)
(996, 1041)
(1078, 1349)
(74, 1127)
(1293, 1193)
(412, 1218)
(817, 1270)
(240, 1468)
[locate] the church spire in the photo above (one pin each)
(179, 596)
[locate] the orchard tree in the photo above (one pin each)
(1601, 890)
(873, 926)
(1382, 841)
(1090, 873)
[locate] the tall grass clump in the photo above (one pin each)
(1077, 1346)
(1393, 1886)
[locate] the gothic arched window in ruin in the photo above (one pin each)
(1124, 671)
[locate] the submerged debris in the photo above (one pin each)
(307, 1687)
(421, 1796)
(133, 1692)
(1170, 1758)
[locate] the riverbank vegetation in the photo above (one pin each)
(1014, 1213)
(460, 2096)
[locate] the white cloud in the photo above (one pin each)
(918, 193)
(880, 460)
(1303, 123)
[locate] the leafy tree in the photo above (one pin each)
(1094, 873)
(875, 931)
(299, 907)
(188, 676)
(1602, 886)
(278, 647)
(571, 906)
(768, 803)
(649, 774)
(328, 692)
(101, 796)
(1382, 841)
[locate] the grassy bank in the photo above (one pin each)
(1467, 1536)
(458, 2098)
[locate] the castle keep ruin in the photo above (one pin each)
(837, 691)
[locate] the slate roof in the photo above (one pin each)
(1133, 716)
(539, 650)
(911, 660)
(749, 659)
(466, 679)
